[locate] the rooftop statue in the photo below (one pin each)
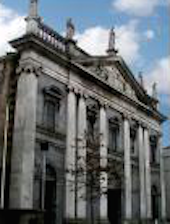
(112, 38)
(70, 29)
(112, 42)
(154, 90)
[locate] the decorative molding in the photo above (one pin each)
(71, 88)
(29, 68)
(126, 116)
(101, 71)
(103, 104)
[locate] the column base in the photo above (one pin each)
(144, 221)
(165, 221)
(75, 221)
(104, 221)
(85, 221)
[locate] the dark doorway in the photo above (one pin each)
(155, 203)
(50, 196)
(114, 206)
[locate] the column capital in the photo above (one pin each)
(83, 94)
(29, 68)
(142, 124)
(103, 104)
(146, 127)
(125, 116)
(71, 88)
(159, 134)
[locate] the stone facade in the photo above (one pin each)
(85, 135)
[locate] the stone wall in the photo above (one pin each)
(21, 217)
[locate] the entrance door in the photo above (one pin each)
(50, 197)
(114, 206)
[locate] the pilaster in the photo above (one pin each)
(147, 173)
(22, 164)
(70, 155)
(81, 158)
(103, 165)
(127, 168)
(142, 172)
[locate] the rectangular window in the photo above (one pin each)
(133, 140)
(113, 137)
(153, 148)
(50, 111)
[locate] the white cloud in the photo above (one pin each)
(95, 41)
(12, 26)
(138, 7)
(128, 41)
(160, 75)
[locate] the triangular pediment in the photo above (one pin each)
(111, 75)
(116, 73)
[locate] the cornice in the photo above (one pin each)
(28, 42)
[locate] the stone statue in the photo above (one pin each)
(141, 82)
(112, 42)
(112, 39)
(154, 90)
(70, 29)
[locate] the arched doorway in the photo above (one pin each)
(50, 195)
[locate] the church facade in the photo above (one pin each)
(80, 138)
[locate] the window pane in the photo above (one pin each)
(50, 114)
(113, 138)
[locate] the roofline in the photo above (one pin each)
(40, 46)
(143, 91)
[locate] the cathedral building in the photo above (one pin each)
(80, 138)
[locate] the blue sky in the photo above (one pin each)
(141, 28)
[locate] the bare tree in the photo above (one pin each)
(88, 171)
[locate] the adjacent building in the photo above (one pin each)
(80, 138)
(166, 172)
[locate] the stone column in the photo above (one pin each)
(162, 180)
(81, 159)
(127, 169)
(103, 165)
(70, 155)
(142, 173)
(22, 164)
(147, 173)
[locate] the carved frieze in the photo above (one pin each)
(100, 71)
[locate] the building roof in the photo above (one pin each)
(49, 42)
